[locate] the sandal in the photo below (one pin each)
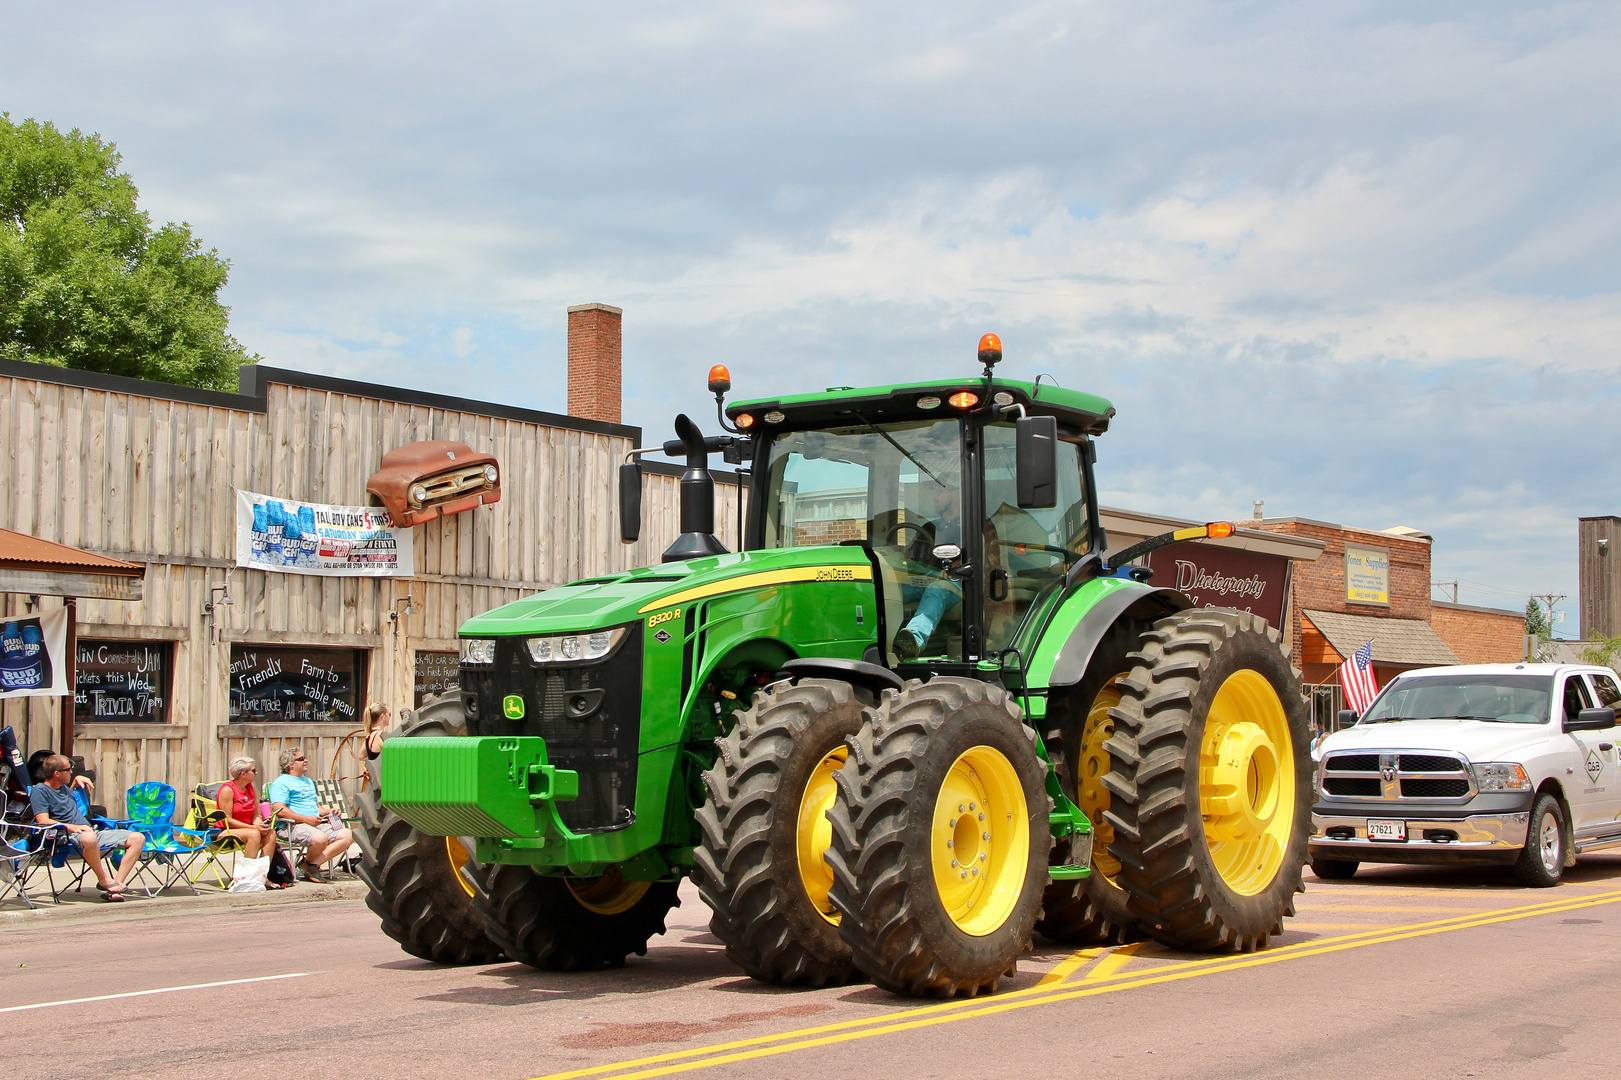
(112, 896)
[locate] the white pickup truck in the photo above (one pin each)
(1514, 764)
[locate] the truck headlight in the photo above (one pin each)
(1500, 776)
(567, 648)
(478, 650)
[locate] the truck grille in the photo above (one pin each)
(1393, 776)
(601, 746)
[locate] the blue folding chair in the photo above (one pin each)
(151, 806)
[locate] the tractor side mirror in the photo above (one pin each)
(630, 501)
(1036, 457)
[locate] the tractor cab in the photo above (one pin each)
(973, 499)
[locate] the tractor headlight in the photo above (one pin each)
(1501, 776)
(478, 650)
(567, 648)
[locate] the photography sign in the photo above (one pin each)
(1224, 577)
(33, 656)
(312, 538)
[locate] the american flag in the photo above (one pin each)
(1356, 677)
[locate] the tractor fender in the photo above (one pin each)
(1076, 653)
(872, 677)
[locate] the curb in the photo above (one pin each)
(139, 907)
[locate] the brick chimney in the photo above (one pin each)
(593, 362)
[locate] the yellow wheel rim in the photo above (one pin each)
(980, 842)
(1091, 768)
(460, 856)
(1247, 782)
(816, 833)
(609, 894)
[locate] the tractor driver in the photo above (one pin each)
(942, 524)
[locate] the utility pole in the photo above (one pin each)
(1549, 599)
(1453, 585)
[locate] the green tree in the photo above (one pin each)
(1536, 620)
(85, 282)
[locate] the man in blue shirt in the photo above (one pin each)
(53, 805)
(301, 819)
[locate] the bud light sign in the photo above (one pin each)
(31, 656)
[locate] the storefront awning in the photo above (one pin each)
(31, 566)
(1408, 642)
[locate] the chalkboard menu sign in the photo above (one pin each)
(121, 681)
(280, 684)
(436, 673)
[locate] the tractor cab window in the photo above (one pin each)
(1027, 551)
(896, 486)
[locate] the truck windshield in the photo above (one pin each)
(896, 486)
(1509, 699)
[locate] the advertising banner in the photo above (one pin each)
(1367, 575)
(1224, 577)
(33, 656)
(312, 538)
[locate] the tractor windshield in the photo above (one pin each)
(897, 486)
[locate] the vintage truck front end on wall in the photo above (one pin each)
(920, 718)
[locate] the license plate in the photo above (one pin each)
(1387, 830)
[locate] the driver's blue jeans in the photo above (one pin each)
(933, 601)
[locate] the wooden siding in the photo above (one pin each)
(152, 480)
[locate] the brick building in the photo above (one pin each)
(1480, 635)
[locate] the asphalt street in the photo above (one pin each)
(1402, 972)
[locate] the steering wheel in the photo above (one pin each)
(891, 536)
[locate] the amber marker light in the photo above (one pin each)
(963, 400)
(990, 349)
(1219, 529)
(744, 421)
(720, 380)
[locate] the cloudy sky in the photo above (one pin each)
(1358, 260)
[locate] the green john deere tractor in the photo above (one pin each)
(919, 718)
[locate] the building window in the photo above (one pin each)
(301, 684)
(436, 673)
(121, 681)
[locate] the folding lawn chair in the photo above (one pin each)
(21, 856)
(151, 806)
(330, 793)
(205, 816)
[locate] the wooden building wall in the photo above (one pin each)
(148, 475)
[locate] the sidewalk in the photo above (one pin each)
(88, 905)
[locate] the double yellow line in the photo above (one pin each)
(1051, 990)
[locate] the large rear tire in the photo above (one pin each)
(1211, 782)
(761, 868)
(420, 886)
(940, 839)
(1093, 910)
(572, 924)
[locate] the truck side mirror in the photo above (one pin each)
(1348, 718)
(630, 501)
(1591, 720)
(1036, 458)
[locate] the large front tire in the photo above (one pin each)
(1092, 910)
(940, 839)
(420, 886)
(765, 829)
(1211, 782)
(570, 924)
(1542, 863)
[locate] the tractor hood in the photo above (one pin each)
(595, 603)
(1478, 740)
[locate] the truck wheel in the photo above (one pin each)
(940, 839)
(1092, 911)
(1335, 869)
(1542, 863)
(572, 924)
(1211, 782)
(765, 829)
(420, 886)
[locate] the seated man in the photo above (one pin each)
(942, 524)
(53, 805)
(301, 820)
